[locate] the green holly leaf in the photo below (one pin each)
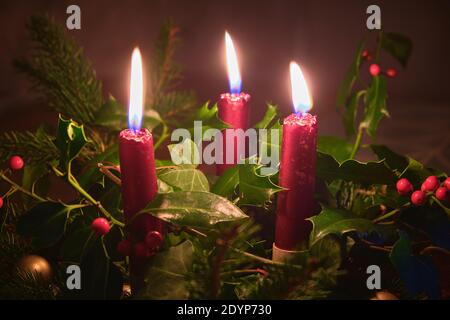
(70, 140)
(79, 240)
(328, 250)
(404, 166)
(92, 174)
(184, 179)
(114, 116)
(350, 78)
(209, 119)
(352, 170)
(34, 179)
(165, 278)
(350, 112)
(418, 273)
(100, 278)
(339, 148)
(45, 223)
(398, 45)
(375, 105)
(338, 222)
(193, 209)
(255, 189)
(269, 116)
(185, 153)
(227, 182)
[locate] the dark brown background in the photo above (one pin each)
(320, 35)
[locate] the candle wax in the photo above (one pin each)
(233, 110)
(297, 175)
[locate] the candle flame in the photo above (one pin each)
(135, 108)
(300, 96)
(234, 76)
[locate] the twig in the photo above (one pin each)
(106, 171)
(21, 189)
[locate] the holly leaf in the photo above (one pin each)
(336, 147)
(166, 276)
(184, 179)
(352, 170)
(350, 112)
(114, 116)
(100, 279)
(193, 209)
(70, 139)
(375, 105)
(255, 189)
(398, 45)
(350, 78)
(92, 173)
(269, 116)
(33, 179)
(209, 119)
(227, 182)
(44, 223)
(418, 273)
(78, 241)
(328, 250)
(185, 153)
(338, 222)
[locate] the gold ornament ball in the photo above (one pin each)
(35, 264)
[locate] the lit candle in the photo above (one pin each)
(233, 108)
(297, 171)
(138, 172)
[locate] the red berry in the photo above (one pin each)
(404, 187)
(100, 226)
(153, 240)
(369, 58)
(365, 53)
(447, 183)
(431, 183)
(374, 69)
(16, 163)
(418, 198)
(441, 193)
(124, 247)
(141, 251)
(391, 73)
(1, 202)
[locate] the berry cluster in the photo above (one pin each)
(143, 249)
(16, 163)
(429, 186)
(374, 69)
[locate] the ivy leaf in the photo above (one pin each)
(350, 78)
(338, 222)
(185, 153)
(193, 209)
(165, 278)
(44, 223)
(184, 179)
(351, 111)
(418, 273)
(70, 140)
(352, 170)
(255, 189)
(375, 101)
(336, 147)
(164, 187)
(227, 182)
(398, 45)
(114, 116)
(270, 115)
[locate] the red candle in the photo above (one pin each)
(138, 172)
(297, 169)
(233, 110)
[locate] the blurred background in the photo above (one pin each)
(321, 35)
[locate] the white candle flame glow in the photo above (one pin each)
(300, 95)
(234, 76)
(135, 108)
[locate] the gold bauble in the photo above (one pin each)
(36, 265)
(126, 291)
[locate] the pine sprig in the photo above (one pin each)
(33, 147)
(60, 71)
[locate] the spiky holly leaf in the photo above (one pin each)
(270, 115)
(70, 139)
(338, 222)
(398, 45)
(193, 209)
(375, 105)
(227, 182)
(337, 147)
(351, 111)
